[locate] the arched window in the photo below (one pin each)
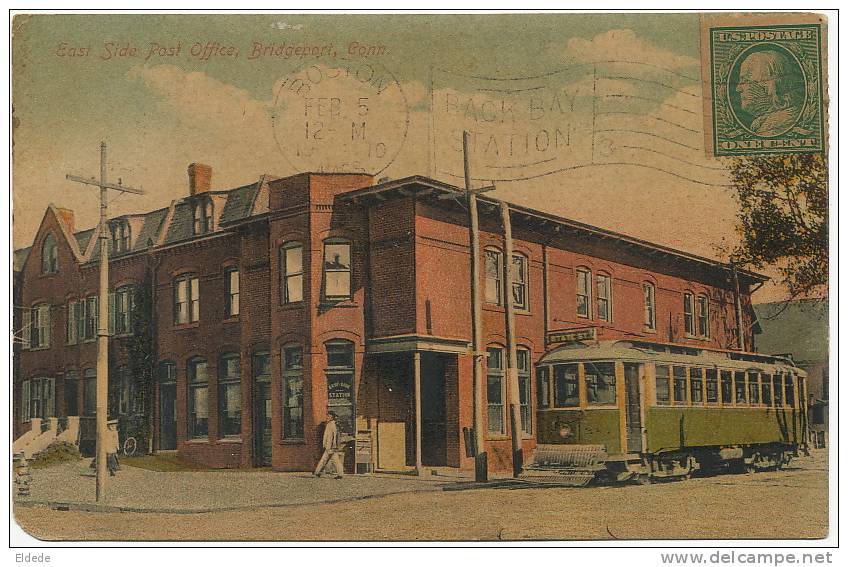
(291, 272)
(198, 398)
(650, 294)
(340, 383)
(604, 297)
(494, 273)
(229, 396)
(292, 357)
(49, 256)
(495, 378)
(584, 292)
(337, 269)
(519, 281)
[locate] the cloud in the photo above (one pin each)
(623, 45)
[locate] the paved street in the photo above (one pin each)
(782, 504)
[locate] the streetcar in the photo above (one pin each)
(644, 411)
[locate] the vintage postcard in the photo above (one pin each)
(421, 277)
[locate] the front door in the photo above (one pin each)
(632, 410)
(167, 417)
(262, 429)
(433, 411)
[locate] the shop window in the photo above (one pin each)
(650, 294)
(49, 256)
(337, 278)
(681, 391)
(712, 386)
(566, 388)
(726, 387)
(525, 407)
(741, 388)
(696, 382)
(340, 384)
(198, 399)
(292, 357)
(584, 293)
(229, 396)
(519, 282)
(543, 387)
(754, 388)
(232, 279)
(494, 274)
(186, 299)
(662, 386)
(604, 297)
(689, 313)
(600, 383)
(495, 390)
(291, 270)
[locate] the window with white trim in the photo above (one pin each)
(40, 326)
(689, 313)
(291, 272)
(519, 282)
(229, 396)
(703, 316)
(49, 256)
(198, 399)
(650, 293)
(494, 274)
(186, 299)
(292, 357)
(124, 302)
(232, 278)
(604, 297)
(525, 407)
(337, 268)
(584, 293)
(495, 390)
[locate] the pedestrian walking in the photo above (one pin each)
(112, 446)
(331, 448)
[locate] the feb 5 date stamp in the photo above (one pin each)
(763, 87)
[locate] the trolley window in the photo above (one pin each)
(712, 386)
(663, 391)
(566, 392)
(726, 387)
(681, 392)
(741, 394)
(767, 389)
(696, 379)
(543, 390)
(778, 390)
(754, 388)
(600, 383)
(790, 391)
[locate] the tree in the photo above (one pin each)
(783, 217)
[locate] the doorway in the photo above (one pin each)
(433, 410)
(632, 408)
(262, 429)
(167, 416)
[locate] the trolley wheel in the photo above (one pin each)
(130, 446)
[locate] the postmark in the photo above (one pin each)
(351, 116)
(763, 88)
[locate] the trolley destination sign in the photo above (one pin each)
(571, 336)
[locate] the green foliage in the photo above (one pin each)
(783, 218)
(57, 452)
(141, 366)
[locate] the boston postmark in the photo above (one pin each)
(763, 88)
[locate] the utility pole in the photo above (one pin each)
(481, 466)
(740, 325)
(103, 315)
(512, 349)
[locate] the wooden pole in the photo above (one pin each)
(740, 326)
(512, 349)
(102, 334)
(480, 458)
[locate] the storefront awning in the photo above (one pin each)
(413, 343)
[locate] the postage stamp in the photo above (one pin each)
(764, 88)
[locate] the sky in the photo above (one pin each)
(595, 117)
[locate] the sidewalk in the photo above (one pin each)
(72, 485)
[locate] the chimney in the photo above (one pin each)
(199, 178)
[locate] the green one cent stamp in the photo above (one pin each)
(767, 94)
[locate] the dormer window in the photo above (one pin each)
(121, 236)
(202, 223)
(49, 256)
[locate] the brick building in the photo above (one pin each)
(239, 317)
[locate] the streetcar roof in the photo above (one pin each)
(642, 352)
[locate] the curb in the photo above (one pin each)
(84, 507)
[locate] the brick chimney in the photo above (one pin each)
(199, 178)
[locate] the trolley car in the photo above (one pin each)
(640, 410)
